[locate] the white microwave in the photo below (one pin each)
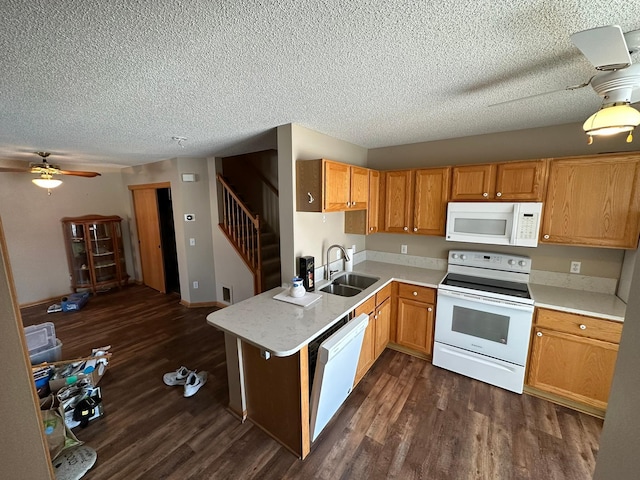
(494, 223)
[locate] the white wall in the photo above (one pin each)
(34, 233)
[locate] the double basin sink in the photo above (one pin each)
(349, 284)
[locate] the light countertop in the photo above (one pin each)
(283, 328)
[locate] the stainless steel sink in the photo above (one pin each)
(355, 280)
(342, 290)
(349, 284)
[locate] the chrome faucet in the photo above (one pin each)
(328, 271)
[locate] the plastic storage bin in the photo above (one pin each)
(53, 354)
(40, 338)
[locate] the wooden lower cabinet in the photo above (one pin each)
(377, 334)
(415, 318)
(573, 357)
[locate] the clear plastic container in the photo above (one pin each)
(40, 337)
(53, 354)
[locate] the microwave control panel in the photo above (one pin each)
(528, 226)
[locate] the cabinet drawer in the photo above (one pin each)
(367, 307)
(383, 294)
(591, 327)
(414, 292)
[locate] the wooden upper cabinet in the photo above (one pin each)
(398, 205)
(431, 196)
(593, 201)
(364, 222)
(473, 182)
(328, 186)
(506, 181)
(337, 186)
(416, 200)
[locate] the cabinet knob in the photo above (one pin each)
(406, 228)
(415, 294)
(375, 316)
(348, 204)
(415, 229)
(371, 229)
(546, 237)
(498, 194)
(583, 327)
(539, 334)
(353, 204)
(485, 194)
(430, 309)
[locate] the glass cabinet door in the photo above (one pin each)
(79, 260)
(102, 251)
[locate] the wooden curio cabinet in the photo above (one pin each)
(95, 252)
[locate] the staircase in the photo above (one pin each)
(254, 240)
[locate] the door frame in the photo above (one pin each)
(154, 187)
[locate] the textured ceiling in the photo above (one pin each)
(106, 82)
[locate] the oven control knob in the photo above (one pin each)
(511, 261)
(463, 257)
(454, 256)
(522, 263)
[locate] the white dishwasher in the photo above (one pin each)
(335, 372)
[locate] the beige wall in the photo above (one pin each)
(312, 233)
(596, 262)
(556, 141)
(23, 451)
(620, 443)
(194, 263)
(34, 233)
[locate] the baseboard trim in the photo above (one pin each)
(184, 303)
(573, 405)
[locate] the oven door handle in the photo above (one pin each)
(489, 301)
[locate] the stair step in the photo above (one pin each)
(271, 265)
(271, 281)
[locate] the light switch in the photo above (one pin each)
(192, 242)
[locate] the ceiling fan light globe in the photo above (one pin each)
(612, 120)
(47, 182)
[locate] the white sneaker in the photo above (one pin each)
(194, 382)
(179, 377)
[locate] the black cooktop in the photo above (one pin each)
(504, 287)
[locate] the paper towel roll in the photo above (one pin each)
(348, 264)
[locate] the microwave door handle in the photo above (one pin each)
(514, 224)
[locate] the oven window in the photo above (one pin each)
(486, 325)
(480, 226)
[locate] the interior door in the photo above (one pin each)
(145, 201)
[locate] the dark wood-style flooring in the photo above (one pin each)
(406, 419)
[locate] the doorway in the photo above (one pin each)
(153, 208)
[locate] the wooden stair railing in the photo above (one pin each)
(242, 229)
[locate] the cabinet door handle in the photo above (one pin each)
(485, 194)
(379, 312)
(583, 327)
(353, 204)
(429, 309)
(498, 194)
(415, 229)
(375, 316)
(348, 204)
(546, 237)
(415, 294)
(539, 334)
(371, 229)
(406, 228)
(311, 199)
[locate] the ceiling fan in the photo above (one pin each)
(46, 171)
(617, 80)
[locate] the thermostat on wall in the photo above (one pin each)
(189, 217)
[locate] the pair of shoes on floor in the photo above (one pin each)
(191, 380)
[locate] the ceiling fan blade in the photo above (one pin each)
(16, 170)
(604, 47)
(570, 87)
(79, 173)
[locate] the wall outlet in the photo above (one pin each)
(195, 284)
(403, 249)
(192, 242)
(575, 267)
